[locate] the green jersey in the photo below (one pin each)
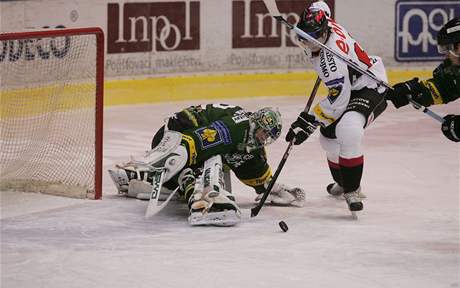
(444, 87)
(220, 129)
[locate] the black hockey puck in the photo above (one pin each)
(283, 226)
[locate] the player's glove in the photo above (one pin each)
(401, 93)
(302, 128)
(451, 127)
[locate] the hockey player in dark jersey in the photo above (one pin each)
(444, 87)
(238, 137)
(353, 102)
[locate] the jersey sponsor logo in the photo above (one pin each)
(437, 99)
(213, 135)
(334, 92)
(334, 82)
(417, 24)
(323, 116)
(327, 63)
(235, 160)
(153, 26)
(31, 49)
(239, 116)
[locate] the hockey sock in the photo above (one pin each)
(351, 171)
(335, 172)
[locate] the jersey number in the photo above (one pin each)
(362, 55)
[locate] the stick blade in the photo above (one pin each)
(272, 7)
(255, 211)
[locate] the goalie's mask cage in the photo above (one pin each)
(265, 128)
(51, 111)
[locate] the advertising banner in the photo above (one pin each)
(416, 27)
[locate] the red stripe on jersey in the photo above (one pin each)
(352, 162)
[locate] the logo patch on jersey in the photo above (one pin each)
(213, 135)
(235, 160)
(334, 92)
(334, 82)
(239, 117)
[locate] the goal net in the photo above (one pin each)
(51, 104)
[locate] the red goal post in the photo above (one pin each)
(51, 120)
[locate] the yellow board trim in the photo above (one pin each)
(259, 180)
(208, 88)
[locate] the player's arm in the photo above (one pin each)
(443, 88)
(256, 172)
(424, 92)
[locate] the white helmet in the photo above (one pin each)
(320, 5)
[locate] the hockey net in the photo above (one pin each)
(51, 99)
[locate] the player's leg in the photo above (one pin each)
(350, 131)
(364, 107)
(210, 203)
(135, 177)
(332, 148)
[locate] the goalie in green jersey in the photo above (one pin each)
(214, 135)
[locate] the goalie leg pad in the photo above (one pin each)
(210, 203)
(120, 179)
(139, 189)
(220, 210)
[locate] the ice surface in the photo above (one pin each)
(407, 235)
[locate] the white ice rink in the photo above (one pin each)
(407, 235)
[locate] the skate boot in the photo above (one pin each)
(336, 190)
(220, 210)
(353, 200)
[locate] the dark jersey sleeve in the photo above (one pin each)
(444, 87)
(250, 168)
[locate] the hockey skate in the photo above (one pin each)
(354, 202)
(282, 195)
(219, 210)
(336, 190)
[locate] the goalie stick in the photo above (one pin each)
(255, 210)
(273, 10)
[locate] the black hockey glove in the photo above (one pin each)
(451, 127)
(302, 128)
(401, 92)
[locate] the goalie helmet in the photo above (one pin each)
(265, 128)
(449, 35)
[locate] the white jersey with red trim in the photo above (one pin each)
(339, 78)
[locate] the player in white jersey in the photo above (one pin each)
(353, 101)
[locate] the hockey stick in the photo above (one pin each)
(273, 10)
(255, 210)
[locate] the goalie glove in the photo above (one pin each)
(282, 195)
